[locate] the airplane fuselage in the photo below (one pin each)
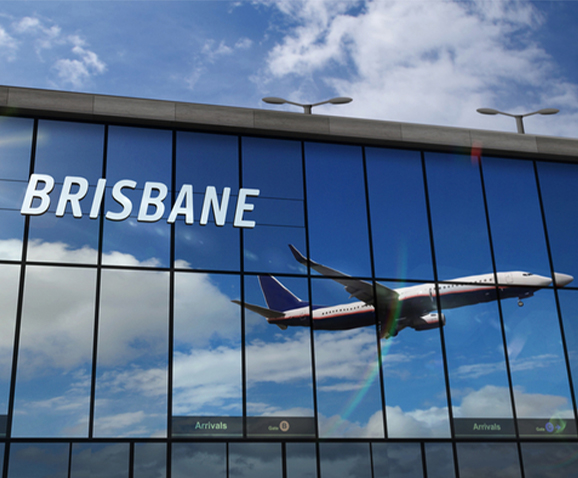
(417, 306)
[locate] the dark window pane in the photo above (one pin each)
(499, 460)
(255, 460)
(337, 207)
(100, 460)
(550, 460)
(397, 460)
(399, 225)
(131, 381)
(301, 460)
(54, 363)
(439, 460)
(199, 460)
(38, 460)
(345, 460)
(150, 460)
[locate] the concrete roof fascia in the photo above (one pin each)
(203, 117)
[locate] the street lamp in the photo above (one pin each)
(341, 100)
(519, 122)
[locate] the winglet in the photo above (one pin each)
(298, 256)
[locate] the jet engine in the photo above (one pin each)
(429, 321)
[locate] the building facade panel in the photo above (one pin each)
(229, 303)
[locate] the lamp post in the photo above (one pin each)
(519, 118)
(341, 100)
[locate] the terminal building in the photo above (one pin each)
(192, 290)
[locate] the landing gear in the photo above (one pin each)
(520, 303)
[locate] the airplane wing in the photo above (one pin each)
(359, 289)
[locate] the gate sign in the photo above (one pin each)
(75, 189)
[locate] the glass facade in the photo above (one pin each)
(179, 303)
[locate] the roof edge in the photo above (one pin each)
(161, 113)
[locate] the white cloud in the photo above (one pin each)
(8, 45)
(428, 62)
(77, 72)
(56, 339)
(52, 48)
(45, 37)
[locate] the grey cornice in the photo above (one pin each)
(137, 111)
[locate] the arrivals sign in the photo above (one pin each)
(151, 206)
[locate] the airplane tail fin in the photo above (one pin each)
(277, 296)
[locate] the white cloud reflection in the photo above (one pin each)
(56, 342)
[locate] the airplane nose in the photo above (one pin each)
(562, 279)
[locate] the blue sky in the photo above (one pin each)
(419, 61)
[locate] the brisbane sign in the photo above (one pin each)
(151, 207)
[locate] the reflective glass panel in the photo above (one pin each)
(347, 371)
(337, 207)
(141, 155)
(15, 145)
(397, 460)
(569, 309)
(278, 359)
(15, 148)
(439, 460)
(458, 216)
(205, 160)
(207, 356)
(481, 400)
(67, 149)
(415, 387)
(150, 460)
(550, 460)
(560, 199)
(131, 379)
(11, 234)
(199, 460)
(255, 460)
(99, 460)
(515, 217)
(301, 460)
(9, 278)
(275, 168)
(399, 225)
(38, 460)
(539, 374)
(54, 361)
(488, 459)
(344, 460)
